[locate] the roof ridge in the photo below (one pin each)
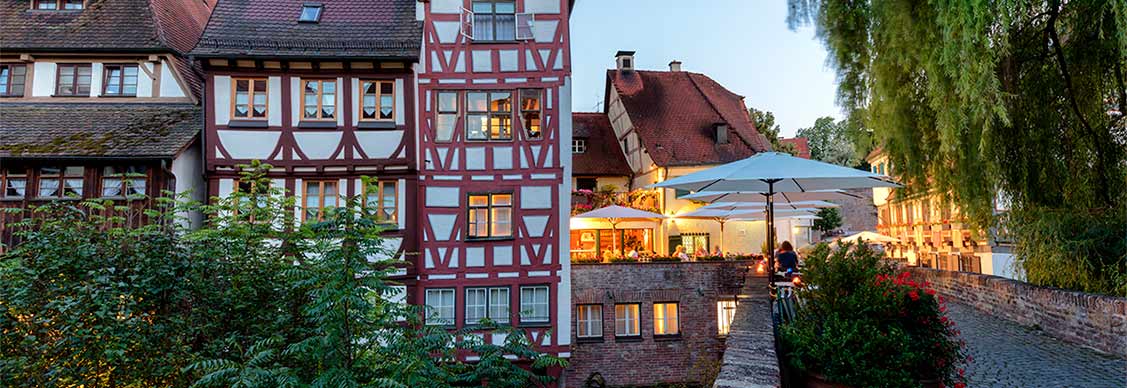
(712, 105)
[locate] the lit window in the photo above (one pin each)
(124, 181)
(73, 80)
(665, 319)
(491, 303)
(489, 116)
(534, 304)
(494, 20)
(440, 306)
(14, 183)
(382, 199)
(447, 116)
(311, 13)
(578, 146)
(12, 80)
(250, 100)
(589, 320)
(626, 322)
(120, 80)
(377, 100)
(530, 112)
(60, 182)
(490, 215)
(320, 99)
(725, 313)
(319, 198)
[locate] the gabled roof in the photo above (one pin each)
(603, 156)
(109, 26)
(675, 114)
(801, 145)
(97, 130)
(347, 29)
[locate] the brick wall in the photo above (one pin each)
(858, 214)
(695, 286)
(1095, 321)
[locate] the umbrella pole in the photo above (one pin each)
(771, 231)
(721, 221)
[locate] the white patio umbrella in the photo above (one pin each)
(763, 205)
(774, 172)
(869, 237)
(722, 216)
(615, 214)
(755, 196)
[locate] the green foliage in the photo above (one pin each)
(1079, 251)
(840, 142)
(828, 220)
(860, 326)
(250, 299)
(765, 124)
(972, 99)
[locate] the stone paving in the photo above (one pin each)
(1008, 355)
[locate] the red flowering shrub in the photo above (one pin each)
(864, 325)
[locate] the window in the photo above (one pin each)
(377, 100)
(665, 319)
(440, 306)
(586, 183)
(60, 182)
(14, 183)
(59, 4)
(250, 100)
(725, 313)
(73, 80)
(447, 116)
(319, 197)
(534, 304)
(626, 145)
(120, 80)
(491, 303)
(489, 116)
(494, 20)
(589, 320)
(491, 215)
(320, 99)
(382, 199)
(123, 181)
(310, 13)
(578, 146)
(12, 79)
(626, 322)
(530, 112)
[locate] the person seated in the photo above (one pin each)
(679, 253)
(786, 260)
(717, 252)
(633, 253)
(607, 254)
(700, 252)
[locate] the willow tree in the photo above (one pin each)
(1025, 98)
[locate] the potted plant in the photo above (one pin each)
(861, 324)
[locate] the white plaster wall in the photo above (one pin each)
(508, 60)
(502, 158)
(249, 144)
(447, 31)
(295, 100)
(318, 145)
(475, 158)
(338, 102)
(169, 85)
(438, 196)
(563, 290)
(544, 30)
(274, 101)
(446, 6)
(482, 61)
(542, 6)
(379, 144)
(226, 187)
(144, 82)
(355, 85)
(43, 79)
(443, 225)
(401, 192)
(222, 98)
(189, 179)
(536, 197)
(399, 103)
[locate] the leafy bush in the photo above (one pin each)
(1072, 249)
(860, 325)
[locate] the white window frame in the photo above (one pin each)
(496, 305)
(578, 146)
(466, 24)
(530, 19)
(630, 317)
(528, 307)
(725, 314)
(435, 306)
(589, 321)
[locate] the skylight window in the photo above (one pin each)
(311, 12)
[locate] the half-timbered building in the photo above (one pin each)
(97, 100)
(494, 166)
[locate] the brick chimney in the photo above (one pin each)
(624, 60)
(675, 65)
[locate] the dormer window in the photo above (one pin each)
(311, 13)
(54, 5)
(578, 146)
(721, 133)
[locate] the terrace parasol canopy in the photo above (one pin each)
(762, 206)
(756, 196)
(868, 237)
(772, 173)
(615, 214)
(722, 216)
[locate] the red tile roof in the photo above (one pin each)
(675, 113)
(603, 156)
(801, 144)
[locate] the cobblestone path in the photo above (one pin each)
(1008, 355)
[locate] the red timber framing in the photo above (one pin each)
(334, 151)
(455, 165)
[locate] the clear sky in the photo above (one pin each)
(744, 45)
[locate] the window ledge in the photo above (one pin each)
(12, 199)
(667, 337)
(248, 124)
(117, 96)
(376, 125)
(487, 239)
(317, 124)
(536, 324)
(513, 41)
(589, 340)
(632, 338)
(70, 96)
(57, 199)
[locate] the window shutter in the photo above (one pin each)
(524, 25)
(467, 23)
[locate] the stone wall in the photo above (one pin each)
(688, 357)
(749, 359)
(1094, 321)
(859, 214)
